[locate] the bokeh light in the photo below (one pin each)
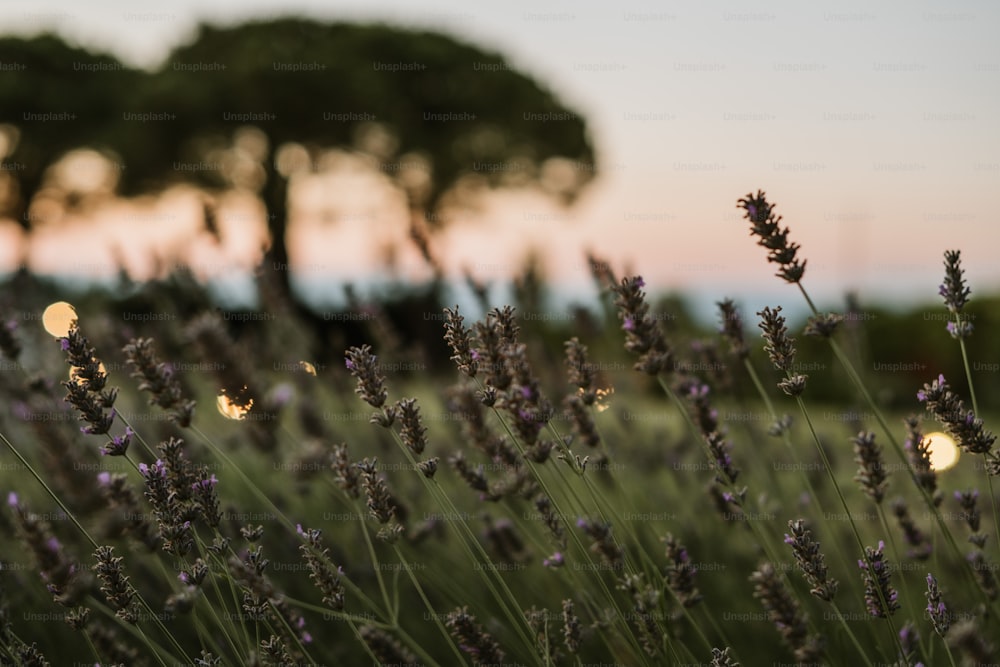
(58, 318)
(230, 410)
(943, 450)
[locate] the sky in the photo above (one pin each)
(873, 126)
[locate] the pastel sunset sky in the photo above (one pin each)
(875, 127)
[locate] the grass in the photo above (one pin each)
(641, 526)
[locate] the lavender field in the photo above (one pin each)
(183, 487)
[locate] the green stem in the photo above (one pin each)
(377, 565)
(968, 372)
(430, 609)
(850, 633)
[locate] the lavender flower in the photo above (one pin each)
(321, 571)
(871, 471)
(909, 642)
(580, 372)
(551, 520)
(643, 615)
(206, 499)
(458, 338)
(412, 432)
(781, 350)
(504, 542)
(967, 638)
(524, 401)
(473, 477)
(708, 423)
(386, 649)
(706, 416)
(983, 570)
(168, 508)
(920, 544)
(732, 329)
(725, 471)
(954, 290)
(601, 272)
(116, 587)
(681, 573)
(571, 627)
(92, 409)
(603, 543)
(642, 334)
(119, 444)
(363, 365)
(968, 500)
(88, 370)
(29, 655)
(275, 651)
(472, 639)
(159, 380)
(379, 501)
(823, 325)
(196, 575)
(120, 496)
(584, 427)
(56, 567)
(506, 323)
(721, 658)
(785, 612)
(490, 353)
(880, 596)
(766, 226)
(961, 424)
(346, 476)
(554, 561)
(936, 609)
(429, 467)
(810, 560)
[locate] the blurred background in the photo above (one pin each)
(143, 138)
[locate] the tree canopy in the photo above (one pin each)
(466, 110)
(391, 93)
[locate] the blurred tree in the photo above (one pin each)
(54, 98)
(433, 113)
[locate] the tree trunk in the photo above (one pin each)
(274, 283)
